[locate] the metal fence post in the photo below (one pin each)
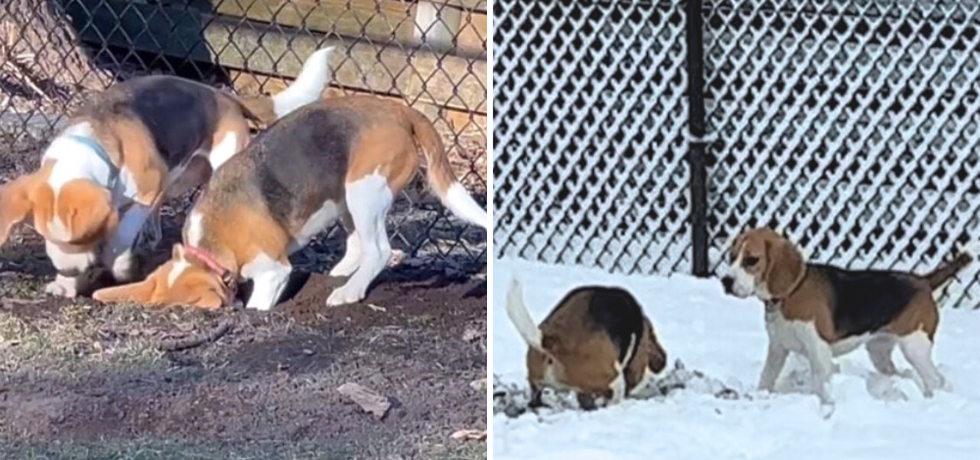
(695, 157)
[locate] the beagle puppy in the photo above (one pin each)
(596, 342)
(821, 311)
(344, 158)
(141, 140)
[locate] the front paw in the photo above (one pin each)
(344, 295)
(60, 289)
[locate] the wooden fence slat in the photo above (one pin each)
(444, 80)
(377, 19)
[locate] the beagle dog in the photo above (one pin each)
(821, 311)
(343, 158)
(596, 342)
(103, 178)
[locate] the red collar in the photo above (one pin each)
(226, 276)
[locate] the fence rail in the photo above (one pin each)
(852, 125)
(431, 54)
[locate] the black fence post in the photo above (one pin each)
(696, 123)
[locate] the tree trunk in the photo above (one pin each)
(40, 52)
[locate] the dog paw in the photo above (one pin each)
(58, 289)
(396, 258)
(344, 295)
(343, 269)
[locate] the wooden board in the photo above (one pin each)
(417, 75)
(376, 19)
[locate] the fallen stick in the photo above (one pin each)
(195, 340)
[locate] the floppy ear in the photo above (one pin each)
(86, 210)
(140, 292)
(785, 267)
(16, 203)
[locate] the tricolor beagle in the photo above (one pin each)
(821, 311)
(134, 144)
(595, 342)
(340, 158)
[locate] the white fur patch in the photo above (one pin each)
(519, 315)
(77, 160)
(195, 228)
(269, 277)
(368, 200)
(223, 152)
(78, 261)
(178, 269)
(57, 230)
(849, 344)
(316, 223)
(461, 204)
(308, 86)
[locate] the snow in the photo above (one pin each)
(723, 337)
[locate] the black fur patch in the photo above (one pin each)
(616, 312)
(181, 115)
(865, 301)
(303, 160)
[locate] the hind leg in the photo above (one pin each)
(352, 255)
(880, 350)
(917, 349)
(368, 200)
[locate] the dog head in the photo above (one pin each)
(77, 217)
(187, 279)
(764, 264)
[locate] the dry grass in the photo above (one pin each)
(160, 450)
(72, 339)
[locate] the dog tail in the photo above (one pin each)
(440, 174)
(944, 272)
(520, 317)
(307, 88)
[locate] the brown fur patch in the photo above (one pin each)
(195, 287)
(921, 314)
(17, 200)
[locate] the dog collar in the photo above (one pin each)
(99, 151)
(226, 276)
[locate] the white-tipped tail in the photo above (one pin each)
(308, 86)
(461, 204)
(520, 317)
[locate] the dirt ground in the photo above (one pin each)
(84, 380)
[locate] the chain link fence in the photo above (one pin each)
(851, 125)
(430, 54)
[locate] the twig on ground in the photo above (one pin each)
(195, 340)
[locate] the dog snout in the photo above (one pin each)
(728, 282)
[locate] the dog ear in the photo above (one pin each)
(784, 267)
(86, 210)
(16, 203)
(140, 292)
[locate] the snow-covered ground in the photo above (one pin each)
(724, 337)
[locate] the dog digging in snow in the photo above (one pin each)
(821, 311)
(596, 342)
(102, 179)
(342, 158)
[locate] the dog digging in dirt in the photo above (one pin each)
(821, 311)
(102, 179)
(596, 342)
(342, 158)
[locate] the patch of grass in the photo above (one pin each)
(71, 339)
(459, 451)
(170, 450)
